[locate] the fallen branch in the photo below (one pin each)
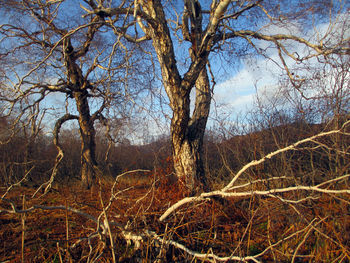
(227, 190)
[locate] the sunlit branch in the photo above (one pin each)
(226, 191)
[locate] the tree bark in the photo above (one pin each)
(187, 140)
(79, 86)
(87, 135)
(187, 132)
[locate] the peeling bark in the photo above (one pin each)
(187, 132)
(188, 147)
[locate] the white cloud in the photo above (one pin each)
(238, 92)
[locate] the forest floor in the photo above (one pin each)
(313, 231)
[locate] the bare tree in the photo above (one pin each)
(61, 53)
(208, 28)
(274, 212)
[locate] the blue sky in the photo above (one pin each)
(260, 75)
(236, 84)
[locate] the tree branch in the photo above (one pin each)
(226, 191)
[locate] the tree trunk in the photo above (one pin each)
(87, 135)
(187, 131)
(187, 138)
(79, 86)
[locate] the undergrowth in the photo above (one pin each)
(314, 231)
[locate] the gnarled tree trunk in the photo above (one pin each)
(87, 135)
(79, 86)
(187, 140)
(187, 131)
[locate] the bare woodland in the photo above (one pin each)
(80, 78)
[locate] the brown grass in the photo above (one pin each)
(315, 231)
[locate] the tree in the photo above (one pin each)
(239, 27)
(291, 156)
(60, 53)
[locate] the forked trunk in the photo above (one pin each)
(79, 87)
(187, 138)
(187, 131)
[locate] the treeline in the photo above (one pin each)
(307, 164)
(35, 156)
(225, 153)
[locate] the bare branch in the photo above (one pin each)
(226, 191)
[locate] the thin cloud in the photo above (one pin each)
(237, 94)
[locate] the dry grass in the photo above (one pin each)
(315, 231)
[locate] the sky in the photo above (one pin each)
(235, 93)
(238, 92)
